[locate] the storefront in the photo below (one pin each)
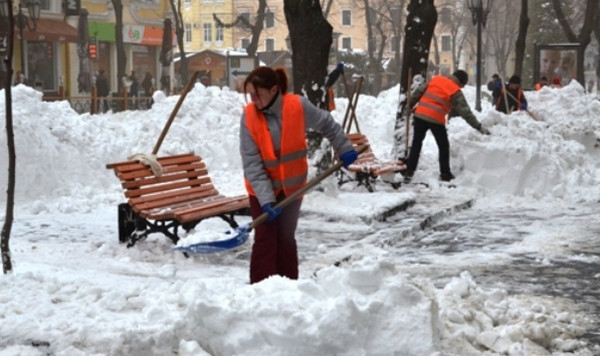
(45, 53)
(142, 49)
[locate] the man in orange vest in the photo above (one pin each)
(514, 99)
(437, 99)
(273, 149)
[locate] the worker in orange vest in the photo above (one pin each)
(437, 98)
(273, 149)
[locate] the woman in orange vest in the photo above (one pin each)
(273, 149)
(441, 95)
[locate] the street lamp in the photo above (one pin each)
(33, 7)
(480, 10)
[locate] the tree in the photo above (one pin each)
(502, 33)
(10, 141)
(121, 58)
(254, 27)
(311, 38)
(590, 20)
(179, 33)
(420, 24)
(520, 44)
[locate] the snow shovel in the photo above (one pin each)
(235, 237)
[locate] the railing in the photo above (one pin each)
(94, 104)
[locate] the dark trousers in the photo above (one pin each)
(440, 134)
(274, 250)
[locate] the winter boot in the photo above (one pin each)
(446, 177)
(407, 174)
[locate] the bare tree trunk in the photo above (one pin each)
(521, 38)
(420, 24)
(121, 58)
(10, 141)
(311, 38)
(179, 34)
(584, 37)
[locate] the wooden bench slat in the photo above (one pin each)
(169, 201)
(147, 172)
(231, 206)
(205, 181)
(166, 178)
(159, 194)
(164, 161)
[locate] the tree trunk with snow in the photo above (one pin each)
(420, 24)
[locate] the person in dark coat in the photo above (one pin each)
(514, 98)
(148, 87)
(102, 89)
(134, 89)
(494, 84)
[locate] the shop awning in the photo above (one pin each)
(50, 30)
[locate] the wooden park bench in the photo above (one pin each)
(179, 194)
(367, 168)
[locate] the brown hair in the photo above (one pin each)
(267, 77)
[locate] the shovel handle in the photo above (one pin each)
(186, 90)
(313, 182)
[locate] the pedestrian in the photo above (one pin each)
(493, 84)
(435, 100)
(543, 82)
(148, 86)
(273, 149)
(511, 97)
(102, 90)
(134, 89)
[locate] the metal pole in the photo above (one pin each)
(478, 89)
(21, 24)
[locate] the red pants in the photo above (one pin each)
(274, 251)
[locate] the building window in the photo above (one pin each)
(245, 43)
(269, 19)
(246, 20)
(446, 43)
(445, 16)
(207, 27)
(219, 34)
(346, 17)
(187, 4)
(188, 32)
(394, 44)
(347, 43)
(269, 44)
(396, 15)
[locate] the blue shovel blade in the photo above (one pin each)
(230, 239)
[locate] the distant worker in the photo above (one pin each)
(511, 98)
(493, 84)
(436, 99)
(543, 82)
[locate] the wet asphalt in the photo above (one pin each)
(428, 242)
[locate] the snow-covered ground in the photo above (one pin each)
(462, 271)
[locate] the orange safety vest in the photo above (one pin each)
(435, 102)
(288, 173)
(519, 96)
